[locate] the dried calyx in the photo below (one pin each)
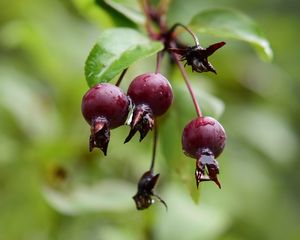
(142, 121)
(196, 56)
(100, 134)
(207, 168)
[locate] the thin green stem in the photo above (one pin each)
(188, 84)
(155, 133)
(159, 58)
(121, 77)
(146, 6)
(173, 28)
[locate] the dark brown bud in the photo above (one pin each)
(144, 196)
(196, 56)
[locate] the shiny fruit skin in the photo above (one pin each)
(106, 101)
(152, 89)
(202, 134)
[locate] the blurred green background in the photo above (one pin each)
(51, 187)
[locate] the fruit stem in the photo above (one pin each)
(121, 77)
(188, 84)
(146, 7)
(173, 28)
(158, 61)
(155, 133)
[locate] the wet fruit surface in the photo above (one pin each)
(152, 89)
(203, 133)
(104, 107)
(204, 139)
(107, 101)
(151, 94)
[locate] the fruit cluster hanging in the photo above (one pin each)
(105, 106)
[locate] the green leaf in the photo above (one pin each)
(108, 196)
(205, 221)
(129, 8)
(229, 23)
(115, 50)
(210, 105)
(102, 14)
(27, 91)
(91, 11)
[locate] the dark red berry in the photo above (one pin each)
(152, 95)
(204, 139)
(143, 197)
(104, 107)
(152, 89)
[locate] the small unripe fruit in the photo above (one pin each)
(152, 95)
(104, 107)
(204, 139)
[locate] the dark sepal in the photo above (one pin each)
(207, 168)
(144, 196)
(142, 121)
(214, 47)
(100, 134)
(196, 56)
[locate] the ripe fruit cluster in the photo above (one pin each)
(106, 106)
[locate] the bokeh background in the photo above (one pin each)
(52, 188)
